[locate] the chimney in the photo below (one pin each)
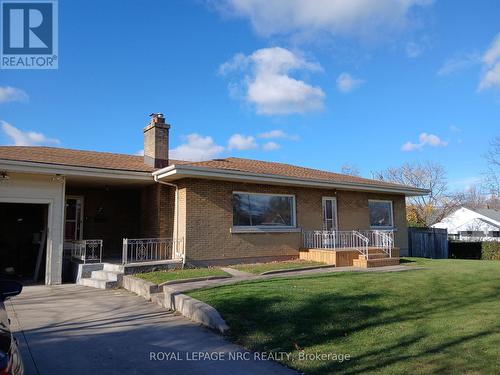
(156, 141)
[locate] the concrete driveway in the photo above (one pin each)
(71, 329)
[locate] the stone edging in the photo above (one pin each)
(286, 270)
(164, 296)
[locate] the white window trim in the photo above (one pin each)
(336, 210)
(392, 214)
(268, 228)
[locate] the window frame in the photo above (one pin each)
(391, 216)
(266, 228)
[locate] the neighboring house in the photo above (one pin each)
(219, 211)
(466, 223)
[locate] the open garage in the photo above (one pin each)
(23, 234)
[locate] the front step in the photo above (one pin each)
(97, 283)
(370, 263)
(109, 277)
(113, 267)
(375, 256)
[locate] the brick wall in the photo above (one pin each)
(206, 217)
(157, 211)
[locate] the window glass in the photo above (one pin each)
(380, 213)
(262, 210)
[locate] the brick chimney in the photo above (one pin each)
(156, 141)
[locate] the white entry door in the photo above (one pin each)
(329, 213)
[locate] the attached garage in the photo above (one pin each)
(23, 231)
(31, 216)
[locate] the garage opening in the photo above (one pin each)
(23, 234)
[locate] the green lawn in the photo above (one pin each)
(258, 268)
(442, 319)
(159, 277)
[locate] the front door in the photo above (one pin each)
(329, 213)
(73, 218)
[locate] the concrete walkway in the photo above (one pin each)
(77, 330)
(239, 276)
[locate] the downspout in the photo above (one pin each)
(176, 215)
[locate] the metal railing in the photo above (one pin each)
(324, 239)
(382, 239)
(85, 250)
(139, 250)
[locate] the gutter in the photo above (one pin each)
(181, 171)
(176, 213)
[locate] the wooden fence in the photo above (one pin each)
(428, 243)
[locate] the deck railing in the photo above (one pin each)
(382, 239)
(86, 251)
(324, 239)
(139, 250)
(357, 240)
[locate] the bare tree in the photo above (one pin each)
(492, 180)
(349, 169)
(422, 210)
(472, 198)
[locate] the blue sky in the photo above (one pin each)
(318, 83)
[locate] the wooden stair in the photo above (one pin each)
(377, 258)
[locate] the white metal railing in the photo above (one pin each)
(138, 250)
(85, 250)
(382, 239)
(325, 239)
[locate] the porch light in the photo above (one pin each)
(4, 176)
(58, 178)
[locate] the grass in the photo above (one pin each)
(258, 268)
(159, 277)
(441, 319)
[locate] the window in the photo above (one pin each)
(263, 210)
(380, 214)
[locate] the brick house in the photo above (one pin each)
(151, 208)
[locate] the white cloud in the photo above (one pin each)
(459, 63)
(139, 153)
(414, 50)
(491, 78)
(270, 146)
(197, 148)
(268, 85)
(455, 129)
(278, 134)
(491, 66)
(358, 18)
(424, 140)
(348, 83)
(30, 138)
(493, 53)
(11, 94)
(241, 142)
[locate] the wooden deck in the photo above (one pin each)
(346, 257)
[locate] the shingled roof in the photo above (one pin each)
(288, 170)
(75, 158)
(123, 162)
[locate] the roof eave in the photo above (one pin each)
(68, 170)
(176, 172)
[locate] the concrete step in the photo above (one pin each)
(159, 299)
(106, 275)
(113, 267)
(382, 262)
(97, 283)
